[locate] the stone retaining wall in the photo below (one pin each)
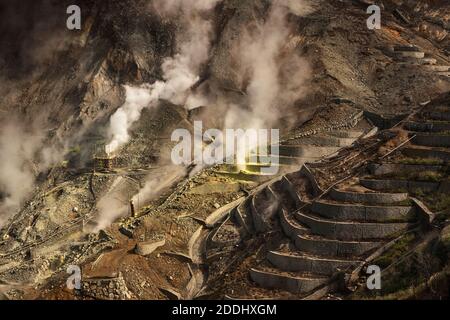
(369, 198)
(399, 184)
(306, 151)
(334, 248)
(258, 221)
(106, 288)
(424, 153)
(294, 285)
(352, 121)
(261, 220)
(243, 217)
(292, 231)
(346, 134)
(346, 212)
(382, 122)
(442, 141)
(330, 141)
(425, 215)
(441, 116)
(382, 169)
(293, 263)
(349, 230)
(431, 127)
(312, 179)
(287, 186)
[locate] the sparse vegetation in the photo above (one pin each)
(109, 99)
(395, 252)
(422, 161)
(75, 149)
(425, 176)
(436, 201)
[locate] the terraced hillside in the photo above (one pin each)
(363, 157)
(308, 146)
(308, 240)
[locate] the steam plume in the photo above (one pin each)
(180, 72)
(22, 157)
(137, 98)
(271, 86)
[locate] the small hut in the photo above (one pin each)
(104, 161)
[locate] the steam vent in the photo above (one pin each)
(233, 150)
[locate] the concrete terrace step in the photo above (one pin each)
(349, 230)
(432, 140)
(269, 278)
(440, 108)
(427, 126)
(410, 61)
(288, 192)
(264, 206)
(304, 263)
(436, 115)
(392, 184)
(367, 198)
(242, 215)
(389, 168)
(295, 161)
(306, 151)
(436, 68)
(357, 212)
(334, 248)
(245, 176)
(290, 226)
(256, 168)
(286, 195)
(323, 140)
(425, 153)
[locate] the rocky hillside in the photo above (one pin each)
(331, 86)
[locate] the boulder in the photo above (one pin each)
(146, 248)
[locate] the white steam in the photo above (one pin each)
(110, 209)
(180, 72)
(272, 86)
(156, 184)
(137, 98)
(276, 78)
(22, 156)
(175, 6)
(116, 201)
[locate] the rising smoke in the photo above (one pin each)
(275, 82)
(272, 85)
(180, 72)
(276, 78)
(23, 156)
(111, 206)
(156, 184)
(137, 98)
